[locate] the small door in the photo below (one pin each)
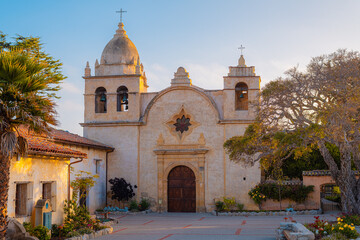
(181, 190)
(47, 219)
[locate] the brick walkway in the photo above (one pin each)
(189, 226)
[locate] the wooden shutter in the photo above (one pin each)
(30, 200)
(21, 199)
(53, 196)
(46, 193)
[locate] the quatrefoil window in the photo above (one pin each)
(182, 124)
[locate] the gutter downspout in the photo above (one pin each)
(69, 165)
(106, 177)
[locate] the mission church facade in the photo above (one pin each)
(170, 143)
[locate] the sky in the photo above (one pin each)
(201, 35)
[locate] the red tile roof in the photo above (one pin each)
(66, 137)
(39, 144)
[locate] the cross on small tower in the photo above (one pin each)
(121, 12)
(241, 49)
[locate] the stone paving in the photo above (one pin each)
(189, 226)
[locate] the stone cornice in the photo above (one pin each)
(181, 151)
(141, 123)
(112, 124)
(113, 76)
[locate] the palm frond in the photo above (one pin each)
(8, 143)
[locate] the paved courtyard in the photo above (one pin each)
(189, 226)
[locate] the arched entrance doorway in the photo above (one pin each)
(181, 190)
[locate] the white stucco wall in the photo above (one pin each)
(35, 170)
(97, 195)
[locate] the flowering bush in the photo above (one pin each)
(346, 229)
(322, 228)
(229, 204)
(349, 219)
(256, 195)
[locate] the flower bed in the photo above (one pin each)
(343, 228)
(266, 213)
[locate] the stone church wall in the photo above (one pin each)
(123, 161)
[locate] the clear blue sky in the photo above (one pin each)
(203, 36)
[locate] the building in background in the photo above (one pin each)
(43, 174)
(170, 143)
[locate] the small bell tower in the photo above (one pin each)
(241, 88)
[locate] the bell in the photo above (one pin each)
(124, 99)
(241, 96)
(103, 98)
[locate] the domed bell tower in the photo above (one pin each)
(112, 94)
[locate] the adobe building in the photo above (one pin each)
(170, 143)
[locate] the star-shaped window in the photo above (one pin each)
(182, 124)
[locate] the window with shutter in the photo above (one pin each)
(46, 193)
(97, 166)
(21, 199)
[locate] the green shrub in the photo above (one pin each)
(296, 193)
(240, 206)
(229, 204)
(219, 205)
(83, 231)
(27, 226)
(144, 204)
(133, 206)
(55, 230)
(73, 234)
(335, 236)
(41, 232)
(336, 198)
(351, 219)
(100, 227)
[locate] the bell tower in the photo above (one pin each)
(241, 87)
(112, 94)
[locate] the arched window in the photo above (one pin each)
(241, 96)
(122, 99)
(100, 100)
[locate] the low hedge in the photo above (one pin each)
(296, 193)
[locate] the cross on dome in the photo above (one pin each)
(241, 49)
(121, 12)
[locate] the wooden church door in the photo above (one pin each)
(181, 190)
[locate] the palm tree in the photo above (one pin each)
(27, 80)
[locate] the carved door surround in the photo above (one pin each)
(189, 155)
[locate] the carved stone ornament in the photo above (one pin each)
(181, 124)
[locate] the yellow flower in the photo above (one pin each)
(346, 225)
(341, 228)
